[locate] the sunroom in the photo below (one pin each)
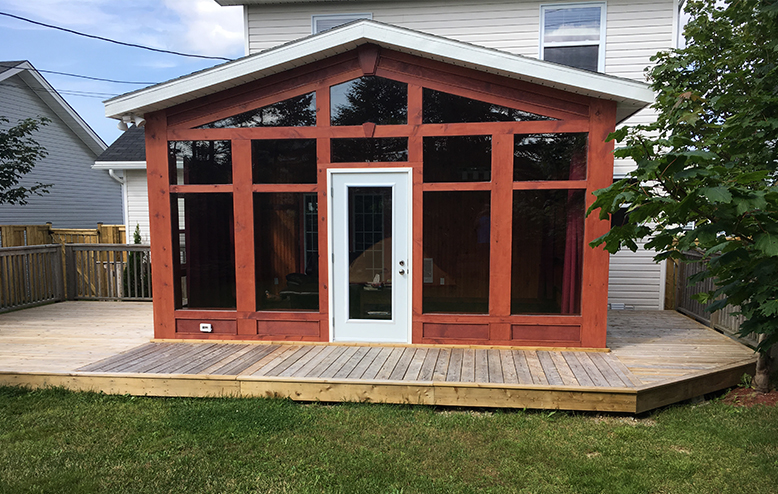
(379, 185)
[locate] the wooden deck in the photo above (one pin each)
(656, 358)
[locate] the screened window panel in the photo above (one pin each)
(206, 246)
(369, 99)
(361, 150)
(299, 111)
(286, 251)
(284, 161)
(440, 107)
(458, 159)
(547, 257)
(456, 252)
(200, 162)
(549, 157)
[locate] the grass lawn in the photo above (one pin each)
(57, 441)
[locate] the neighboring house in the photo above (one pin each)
(376, 183)
(127, 154)
(617, 37)
(80, 197)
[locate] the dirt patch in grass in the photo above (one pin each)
(747, 397)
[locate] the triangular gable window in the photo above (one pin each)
(299, 111)
(440, 107)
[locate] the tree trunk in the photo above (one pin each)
(761, 380)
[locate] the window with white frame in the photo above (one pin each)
(574, 35)
(321, 23)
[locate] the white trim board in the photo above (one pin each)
(119, 165)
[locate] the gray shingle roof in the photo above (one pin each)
(130, 146)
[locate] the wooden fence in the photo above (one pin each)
(23, 235)
(34, 275)
(723, 320)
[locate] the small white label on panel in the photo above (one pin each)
(205, 327)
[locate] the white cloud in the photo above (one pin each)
(208, 28)
(192, 26)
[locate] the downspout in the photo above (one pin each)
(115, 176)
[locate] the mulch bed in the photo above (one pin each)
(747, 397)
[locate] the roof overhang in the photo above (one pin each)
(629, 95)
(119, 165)
(57, 104)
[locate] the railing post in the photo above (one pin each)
(70, 272)
(58, 264)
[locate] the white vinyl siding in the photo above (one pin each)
(636, 280)
(80, 196)
(137, 204)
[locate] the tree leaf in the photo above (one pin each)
(767, 244)
(716, 194)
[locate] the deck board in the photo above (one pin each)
(656, 358)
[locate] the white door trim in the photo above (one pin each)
(407, 172)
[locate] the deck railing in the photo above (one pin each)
(722, 320)
(30, 275)
(108, 272)
(50, 273)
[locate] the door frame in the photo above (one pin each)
(408, 182)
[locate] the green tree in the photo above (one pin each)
(706, 170)
(18, 154)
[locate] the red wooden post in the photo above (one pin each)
(594, 297)
(158, 176)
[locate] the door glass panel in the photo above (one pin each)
(369, 99)
(299, 111)
(370, 252)
(456, 252)
(439, 107)
(549, 157)
(363, 150)
(458, 159)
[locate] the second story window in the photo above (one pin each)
(321, 23)
(574, 35)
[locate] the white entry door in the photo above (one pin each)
(370, 237)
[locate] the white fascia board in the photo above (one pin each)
(119, 165)
(59, 106)
(630, 95)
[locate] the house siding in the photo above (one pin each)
(137, 204)
(512, 26)
(80, 196)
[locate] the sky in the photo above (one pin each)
(200, 27)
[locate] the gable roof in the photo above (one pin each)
(629, 95)
(126, 152)
(51, 98)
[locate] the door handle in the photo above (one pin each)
(402, 271)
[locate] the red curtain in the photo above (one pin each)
(574, 239)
